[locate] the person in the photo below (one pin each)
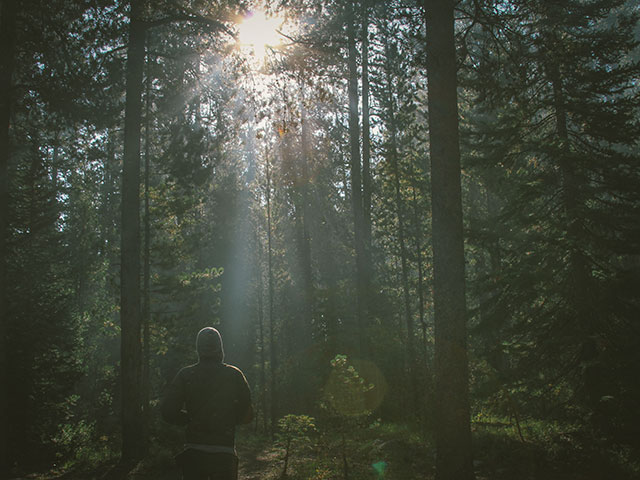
(209, 398)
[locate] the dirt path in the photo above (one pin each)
(257, 462)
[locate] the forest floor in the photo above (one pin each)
(395, 452)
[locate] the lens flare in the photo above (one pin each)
(350, 398)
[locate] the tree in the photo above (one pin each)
(7, 42)
(133, 443)
(453, 434)
(366, 144)
(39, 328)
(273, 353)
(356, 172)
(563, 128)
(392, 153)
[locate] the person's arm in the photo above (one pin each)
(248, 416)
(245, 409)
(173, 403)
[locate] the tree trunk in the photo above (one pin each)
(366, 144)
(580, 291)
(7, 53)
(146, 298)
(273, 357)
(570, 196)
(452, 424)
(305, 236)
(132, 418)
(263, 360)
(400, 214)
(356, 178)
(418, 247)
(305, 334)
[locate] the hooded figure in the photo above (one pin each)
(209, 399)
(209, 344)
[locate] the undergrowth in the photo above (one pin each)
(375, 450)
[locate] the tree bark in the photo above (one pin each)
(418, 247)
(356, 177)
(7, 54)
(366, 143)
(273, 357)
(146, 298)
(130, 313)
(400, 214)
(452, 424)
(263, 360)
(304, 234)
(304, 335)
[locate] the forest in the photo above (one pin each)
(416, 225)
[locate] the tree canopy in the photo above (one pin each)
(415, 224)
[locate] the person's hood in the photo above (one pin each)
(209, 344)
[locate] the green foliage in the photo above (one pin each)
(81, 447)
(549, 108)
(551, 447)
(293, 430)
(295, 427)
(548, 209)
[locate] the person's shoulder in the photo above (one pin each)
(235, 376)
(232, 370)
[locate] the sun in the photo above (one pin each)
(257, 33)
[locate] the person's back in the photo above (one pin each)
(209, 398)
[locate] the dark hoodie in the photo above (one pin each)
(210, 398)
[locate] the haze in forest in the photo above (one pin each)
(416, 226)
